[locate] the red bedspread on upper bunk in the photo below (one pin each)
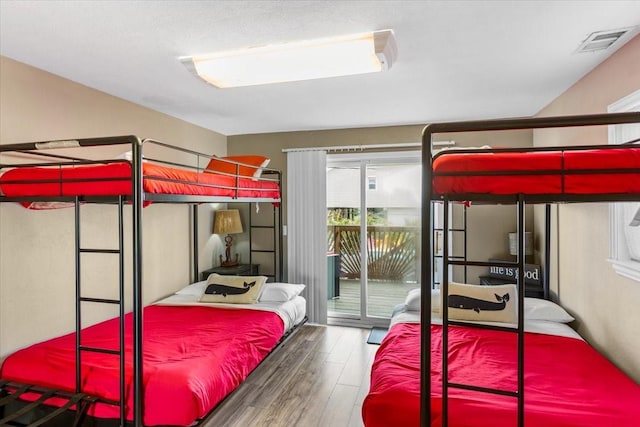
(566, 172)
(193, 357)
(567, 383)
(115, 179)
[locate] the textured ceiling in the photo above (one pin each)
(456, 59)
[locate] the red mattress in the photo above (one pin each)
(193, 357)
(567, 383)
(565, 172)
(115, 179)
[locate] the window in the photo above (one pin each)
(624, 218)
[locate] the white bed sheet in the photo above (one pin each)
(291, 312)
(536, 326)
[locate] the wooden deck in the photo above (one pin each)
(383, 297)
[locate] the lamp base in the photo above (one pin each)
(230, 263)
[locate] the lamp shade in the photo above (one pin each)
(227, 222)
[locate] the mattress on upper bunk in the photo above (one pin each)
(195, 354)
(537, 172)
(115, 179)
(567, 382)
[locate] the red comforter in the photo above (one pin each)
(568, 172)
(193, 358)
(115, 179)
(567, 383)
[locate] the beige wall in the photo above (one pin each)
(604, 303)
(484, 242)
(36, 247)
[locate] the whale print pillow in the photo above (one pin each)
(483, 303)
(233, 289)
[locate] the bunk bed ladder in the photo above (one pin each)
(452, 229)
(79, 250)
(444, 289)
(275, 274)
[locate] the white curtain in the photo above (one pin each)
(307, 228)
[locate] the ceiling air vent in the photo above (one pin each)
(601, 40)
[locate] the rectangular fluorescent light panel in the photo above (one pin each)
(305, 60)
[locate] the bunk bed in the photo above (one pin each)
(528, 371)
(140, 368)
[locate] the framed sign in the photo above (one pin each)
(532, 273)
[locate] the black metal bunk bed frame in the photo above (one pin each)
(137, 199)
(428, 197)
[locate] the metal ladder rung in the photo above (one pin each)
(99, 251)
(484, 389)
(100, 300)
(99, 350)
(507, 329)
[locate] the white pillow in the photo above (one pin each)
(233, 289)
(483, 303)
(412, 301)
(195, 289)
(280, 292)
(534, 308)
(542, 309)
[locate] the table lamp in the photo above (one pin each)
(227, 222)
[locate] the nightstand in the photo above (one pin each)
(236, 270)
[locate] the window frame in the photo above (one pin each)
(620, 257)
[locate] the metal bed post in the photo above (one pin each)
(136, 166)
(464, 226)
(521, 291)
(196, 253)
(426, 279)
(250, 219)
(121, 292)
(280, 237)
(444, 297)
(76, 206)
(276, 267)
(547, 251)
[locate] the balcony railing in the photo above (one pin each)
(391, 251)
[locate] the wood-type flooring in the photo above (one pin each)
(317, 378)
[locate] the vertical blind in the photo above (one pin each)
(307, 228)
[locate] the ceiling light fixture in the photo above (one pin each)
(304, 60)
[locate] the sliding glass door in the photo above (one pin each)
(373, 233)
